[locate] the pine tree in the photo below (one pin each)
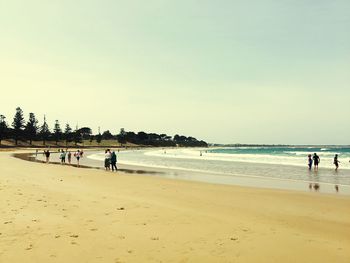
(31, 128)
(57, 131)
(44, 131)
(18, 124)
(67, 134)
(3, 128)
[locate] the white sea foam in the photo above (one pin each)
(300, 158)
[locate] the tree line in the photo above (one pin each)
(30, 130)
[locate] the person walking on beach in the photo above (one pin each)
(47, 155)
(114, 161)
(336, 162)
(77, 155)
(309, 161)
(69, 157)
(63, 157)
(108, 159)
(317, 160)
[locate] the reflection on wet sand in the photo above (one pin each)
(316, 187)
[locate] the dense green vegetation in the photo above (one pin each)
(30, 130)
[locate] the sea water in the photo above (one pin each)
(283, 163)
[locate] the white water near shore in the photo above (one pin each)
(261, 167)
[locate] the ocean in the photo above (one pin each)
(286, 163)
(267, 167)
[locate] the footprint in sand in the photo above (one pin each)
(93, 229)
(7, 222)
(57, 236)
(154, 238)
(29, 247)
(75, 236)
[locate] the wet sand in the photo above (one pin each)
(53, 213)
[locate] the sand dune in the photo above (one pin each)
(52, 213)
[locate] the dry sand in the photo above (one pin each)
(51, 213)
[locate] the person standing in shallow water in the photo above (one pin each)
(317, 160)
(114, 161)
(309, 161)
(336, 162)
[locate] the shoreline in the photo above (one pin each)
(223, 179)
(53, 213)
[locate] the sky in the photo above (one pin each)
(226, 71)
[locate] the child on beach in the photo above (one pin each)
(309, 161)
(336, 162)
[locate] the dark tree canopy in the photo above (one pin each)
(85, 132)
(44, 131)
(57, 131)
(3, 128)
(107, 135)
(31, 128)
(31, 131)
(18, 124)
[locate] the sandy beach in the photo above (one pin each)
(53, 213)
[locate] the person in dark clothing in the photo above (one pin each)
(47, 155)
(317, 160)
(336, 162)
(114, 161)
(309, 161)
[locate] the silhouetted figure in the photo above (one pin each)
(316, 187)
(47, 155)
(309, 161)
(336, 188)
(114, 161)
(336, 162)
(317, 160)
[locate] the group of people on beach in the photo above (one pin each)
(63, 154)
(315, 160)
(110, 160)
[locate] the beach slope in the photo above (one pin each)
(53, 213)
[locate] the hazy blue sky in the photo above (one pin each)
(263, 71)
